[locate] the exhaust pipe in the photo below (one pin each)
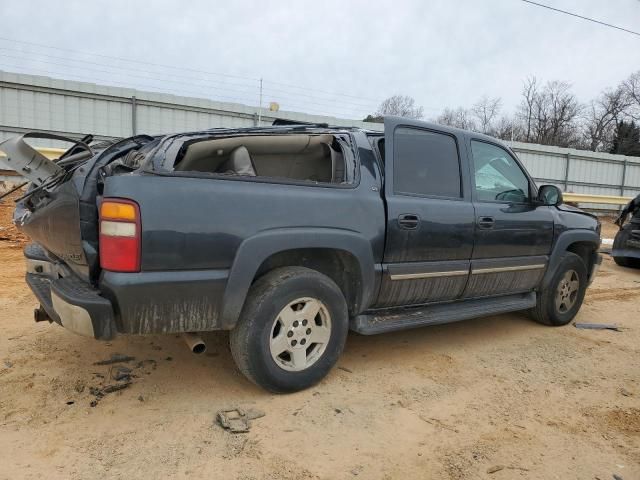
(194, 342)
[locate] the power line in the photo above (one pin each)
(173, 67)
(91, 54)
(582, 17)
(281, 95)
(335, 112)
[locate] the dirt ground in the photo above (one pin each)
(499, 397)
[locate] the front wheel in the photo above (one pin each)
(560, 301)
(620, 242)
(291, 331)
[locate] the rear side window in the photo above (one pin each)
(425, 163)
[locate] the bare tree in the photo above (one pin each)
(508, 128)
(565, 110)
(602, 115)
(631, 89)
(526, 108)
(401, 105)
(549, 115)
(485, 111)
(459, 118)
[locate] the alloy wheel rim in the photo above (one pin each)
(300, 334)
(567, 291)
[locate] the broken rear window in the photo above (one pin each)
(314, 158)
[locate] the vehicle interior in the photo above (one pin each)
(300, 157)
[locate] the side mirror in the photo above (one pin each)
(549, 195)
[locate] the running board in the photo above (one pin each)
(401, 319)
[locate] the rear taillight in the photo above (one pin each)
(119, 235)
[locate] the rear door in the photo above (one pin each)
(513, 235)
(430, 217)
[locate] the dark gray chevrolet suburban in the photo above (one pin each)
(290, 235)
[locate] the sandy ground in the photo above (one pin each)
(499, 394)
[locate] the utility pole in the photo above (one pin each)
(260, 109)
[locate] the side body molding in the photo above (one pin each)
(560, 247)
(256, 249)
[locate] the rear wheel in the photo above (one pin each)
(561, 300)
(291, 330)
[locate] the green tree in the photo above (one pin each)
(626, 139)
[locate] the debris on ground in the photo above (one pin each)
(8, 364)
(142, 363)
(99, 393)
(79, 386)
(238, 420)
(121, 373)
(345, 369)
(497, 468)
(116, 358)
(597, 326)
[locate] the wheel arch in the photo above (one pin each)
(584, 243)
(342, 255)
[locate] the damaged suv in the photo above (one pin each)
(626, 245)
(290, 235)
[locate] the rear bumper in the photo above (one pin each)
(67, 299)
(130, 303)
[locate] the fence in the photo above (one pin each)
(583, 172)
(70, 108)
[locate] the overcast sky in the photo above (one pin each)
(443, 53)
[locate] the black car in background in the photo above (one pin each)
(626, 245)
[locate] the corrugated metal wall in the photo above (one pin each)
(580, 171)
(29, 102)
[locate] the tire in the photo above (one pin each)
(620, 242)
(627, 262)
(278, 316)
(559, 303)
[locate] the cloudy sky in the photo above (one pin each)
(328, 57)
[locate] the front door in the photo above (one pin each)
(430, 217)
(513, 236)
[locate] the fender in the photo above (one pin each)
(256, 249)
(565, 239)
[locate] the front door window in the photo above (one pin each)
(498, 178)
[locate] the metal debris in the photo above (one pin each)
(238, 420)
(597, 326)
(99, 393)
(116, 358)
(121, 373)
